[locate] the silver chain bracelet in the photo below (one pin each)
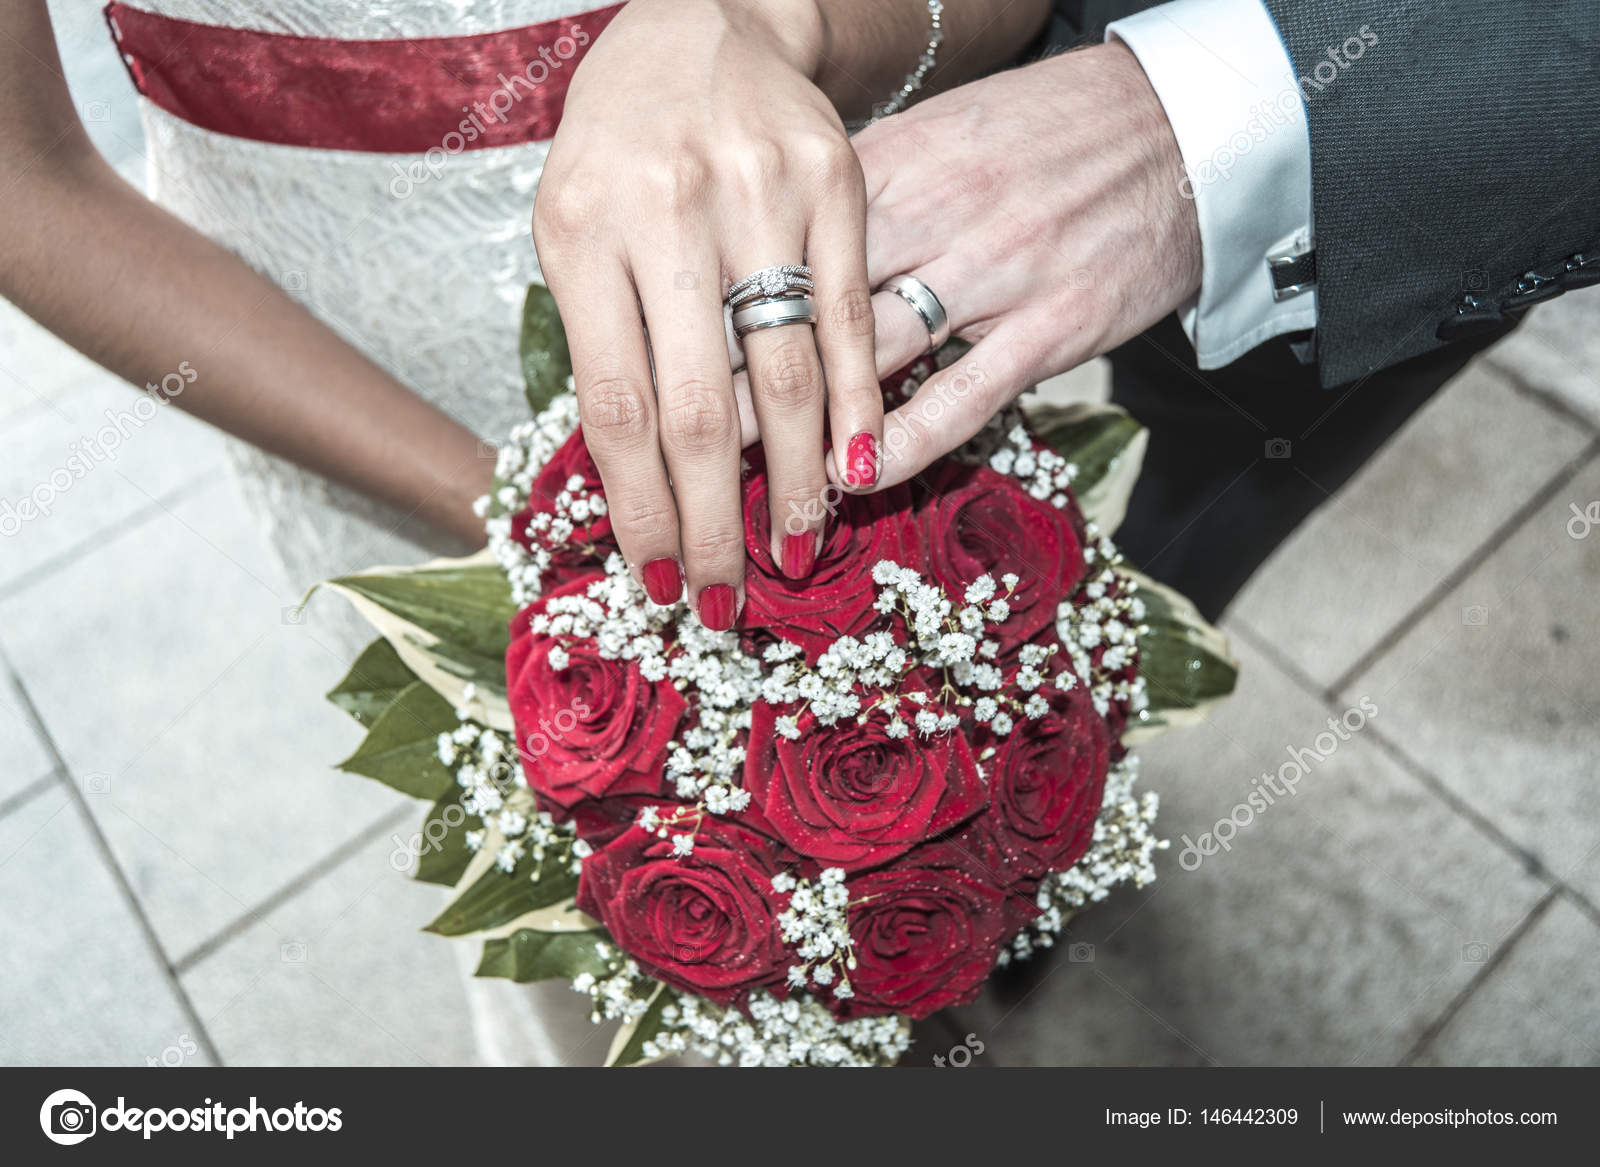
(914, 79)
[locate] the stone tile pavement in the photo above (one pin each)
(184, 878)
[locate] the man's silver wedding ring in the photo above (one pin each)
(926, 305)
(774, 312)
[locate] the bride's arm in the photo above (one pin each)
(140, 292)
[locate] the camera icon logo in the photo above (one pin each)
(686, 281)
(1475, 953)
(294, 281)
(294, 614)
(1474, 616)
(293, 952)
(96, 111)
(1279, 448)
(1080, 953)
(67, 1117)
(1475, 279)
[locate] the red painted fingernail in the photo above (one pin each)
(716, 607)
(799, 554)
(663, 582)
(861, 461)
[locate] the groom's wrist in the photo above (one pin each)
(1140, 155)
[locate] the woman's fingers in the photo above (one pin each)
(789, 395)
(617, 407)
(837, 250)
(749, 429)
(699, 430)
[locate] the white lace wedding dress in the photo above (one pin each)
(429, 286)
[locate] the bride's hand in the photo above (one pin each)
(695, 149)
(1042, 207)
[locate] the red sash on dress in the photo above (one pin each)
(384, 96)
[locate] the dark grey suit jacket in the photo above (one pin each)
(1455, 166)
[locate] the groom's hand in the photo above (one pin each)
(1043, 207)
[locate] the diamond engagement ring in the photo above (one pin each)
(772, 281)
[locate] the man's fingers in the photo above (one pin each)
(951, 406)
(902, 336)
(699, 429)
(617, 408)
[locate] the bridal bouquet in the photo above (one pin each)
(781, 844)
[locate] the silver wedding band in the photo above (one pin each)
(773, 313)
(925, 304)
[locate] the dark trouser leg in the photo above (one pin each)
(1239, 456)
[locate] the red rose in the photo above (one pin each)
(701, 922)
(589, 543)
(1046, 784)
(848, 795)
(979, 522)
(975, 852)
(836, 598)
(924, 938)
(592, 728)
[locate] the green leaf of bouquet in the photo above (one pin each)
(1186, 663)
(627, 1048)
(498, 897)
(441, 848)
(374, 681)
(527, 955)
(402, 747)
(447, 621)
(1107, 446)
(546, 363)
(465, 606)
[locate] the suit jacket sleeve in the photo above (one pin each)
(1455, 162)
(1457, 155)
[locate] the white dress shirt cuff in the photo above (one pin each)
(1229, 89)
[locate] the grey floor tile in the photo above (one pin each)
(82, 986)
(1494, 692)
(1557, 350)
(163, 668)
(23, 757)
(36, 369)
(85, 463)
(339, 974)
(1460, 469)
(1338, 926)
(1537, 1008)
